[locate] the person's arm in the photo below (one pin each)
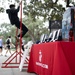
(18, 8)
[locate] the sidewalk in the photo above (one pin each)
(11, 71)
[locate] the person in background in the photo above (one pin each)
(1, 45)
(8, 45)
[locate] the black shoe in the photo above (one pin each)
(5, 55)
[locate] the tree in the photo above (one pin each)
(1, 9)
(36, 27)
(47, 9)
(7, 30)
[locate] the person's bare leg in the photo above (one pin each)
(6, 52)
(0, 51)
(9, 51)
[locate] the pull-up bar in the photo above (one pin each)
(16, 54)
(20, 28)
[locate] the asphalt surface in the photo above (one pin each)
(11, 71)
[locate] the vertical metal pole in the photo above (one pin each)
(16, 44)
(20, 30)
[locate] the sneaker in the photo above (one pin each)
(5, 55)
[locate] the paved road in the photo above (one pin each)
(11, 71)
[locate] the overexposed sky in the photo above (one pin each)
(4, 18)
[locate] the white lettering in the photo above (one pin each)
(42, 65)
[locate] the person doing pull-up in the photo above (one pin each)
(14, 20)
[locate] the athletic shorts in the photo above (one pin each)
(8, 46)
(0, 47)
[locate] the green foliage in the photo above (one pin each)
(1, 9)
(36, 27)
(47, 9)
(7, 30)
(33, 10)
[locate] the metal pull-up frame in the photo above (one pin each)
(15, 58)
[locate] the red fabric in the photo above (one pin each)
(57, 58)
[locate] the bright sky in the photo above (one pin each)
(4, 16)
